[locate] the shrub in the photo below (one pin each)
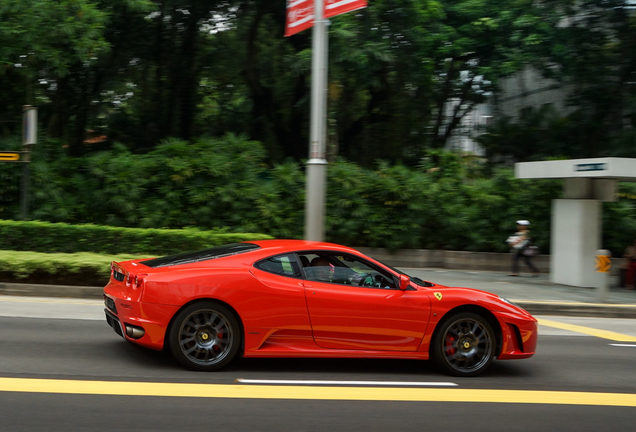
(223, 185)
(82, 268)
(59, 237)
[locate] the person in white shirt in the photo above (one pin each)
(519, 243)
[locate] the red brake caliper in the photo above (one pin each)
(450, 348)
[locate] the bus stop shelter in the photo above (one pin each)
(577, 219)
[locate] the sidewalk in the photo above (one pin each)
(537, 295)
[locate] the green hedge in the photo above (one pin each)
(83, 268)
(39, 236)
(209, 186)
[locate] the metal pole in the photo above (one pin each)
(24, 200)
(29, 138)
(317, 164)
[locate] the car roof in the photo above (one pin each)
(264, 248)
(293, 245)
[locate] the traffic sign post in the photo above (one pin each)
(301, 15)
(11, 156)
(316, 181)
(603, 266)
(337, 7)
(29, 138)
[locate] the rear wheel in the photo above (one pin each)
(464, 344)
(205, 336)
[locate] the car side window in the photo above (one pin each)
(284, 265)
(345, 269)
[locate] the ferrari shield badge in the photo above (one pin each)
(438, 295)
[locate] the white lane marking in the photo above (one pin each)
(357, 383)
(623, 345)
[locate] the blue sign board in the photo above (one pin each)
(591, 167)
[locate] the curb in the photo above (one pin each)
(535, 307)
(596, 310)
(65, 291)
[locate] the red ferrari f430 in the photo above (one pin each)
(293, 298)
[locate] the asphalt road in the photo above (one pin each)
(45, 361)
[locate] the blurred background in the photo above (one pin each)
(195, 114)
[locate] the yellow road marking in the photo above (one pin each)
(115, 388)
(604, 334)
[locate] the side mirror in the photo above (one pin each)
(404, 281)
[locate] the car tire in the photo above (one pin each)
(205, 336)
(464, 344)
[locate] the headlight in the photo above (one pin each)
(505, 300)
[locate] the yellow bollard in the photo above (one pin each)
(603, 266)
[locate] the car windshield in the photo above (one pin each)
(414, 279)
(202, 255)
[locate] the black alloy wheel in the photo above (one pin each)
(205, 336)
(464, 344)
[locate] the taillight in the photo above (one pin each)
(117, 273)
(139, 280)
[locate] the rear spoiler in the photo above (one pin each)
(121, 273)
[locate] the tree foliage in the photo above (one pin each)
(195, 113)
(590, 54)
(447, 202)
(402, 73)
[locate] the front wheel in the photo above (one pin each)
(205, 336)
(464, 344)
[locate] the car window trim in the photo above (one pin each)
(202, 255)
(396, 280)
(294, 260)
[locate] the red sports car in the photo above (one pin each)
(293, 298)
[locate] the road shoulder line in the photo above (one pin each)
(123, 388)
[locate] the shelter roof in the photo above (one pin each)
(622, 169)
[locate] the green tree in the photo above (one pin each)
(48, 56)
(590, 53)
(41, 42)
(37, 35)
(595, 51)
(402, 73)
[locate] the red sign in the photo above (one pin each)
(337, 7)
(300, 16)
(300, 13)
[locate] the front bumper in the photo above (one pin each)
(519, 337)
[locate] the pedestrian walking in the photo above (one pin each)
(520, 247)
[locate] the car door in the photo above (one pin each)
(279, 304)
(356, 305)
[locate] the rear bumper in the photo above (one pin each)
(114, 322)
(153, 319)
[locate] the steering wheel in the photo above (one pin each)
(382, 281)
(363, 279)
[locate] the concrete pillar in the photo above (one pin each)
(576, 234)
